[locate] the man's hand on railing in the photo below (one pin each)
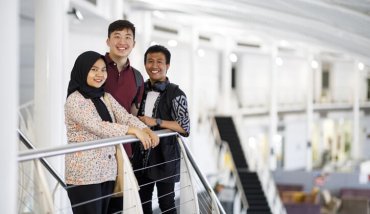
(149, 121)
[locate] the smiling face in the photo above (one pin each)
(120, 43)
(97, 74)
(156, 66)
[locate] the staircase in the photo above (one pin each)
(251, 183)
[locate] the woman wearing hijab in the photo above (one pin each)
(91, 174)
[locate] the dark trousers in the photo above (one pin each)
(115, 205)
(90, 199)
(166, 195)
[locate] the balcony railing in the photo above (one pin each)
(193, 194)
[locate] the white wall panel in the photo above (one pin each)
(295, 145)
(253, 80)
(292, 81)
(79, 44)
(208, 79)
(342, 81)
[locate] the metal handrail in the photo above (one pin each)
(41, 154)
(76, 147)
(70, 148)
(44, 162)
(205, 183)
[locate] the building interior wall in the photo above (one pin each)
(199, 68)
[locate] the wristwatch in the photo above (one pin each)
(158, 122)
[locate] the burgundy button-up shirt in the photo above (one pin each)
(122, 86)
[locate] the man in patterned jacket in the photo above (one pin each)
(164, 106)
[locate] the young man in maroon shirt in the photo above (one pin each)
(124, 82)
(121, 82)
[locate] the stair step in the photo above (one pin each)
(251, 182)
(253, 190)
(255, 197)
(257, 203)
(258, 212)
(251, 186)
(259, 208)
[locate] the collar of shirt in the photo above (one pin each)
(111, 63)
(121, 85)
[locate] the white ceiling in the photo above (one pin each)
(339, 28)
(322, 25)
(340, 25)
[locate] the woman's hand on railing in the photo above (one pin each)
(142, 135)
(153, 136)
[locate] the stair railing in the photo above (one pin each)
(225, 146)
(216, 205)
(44, 162)
(25, 120)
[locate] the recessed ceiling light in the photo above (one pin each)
(172, 43)
(314, 64)
(201, 52)
(159, 14)
(279, 61)
(233, 57)
(361, 66)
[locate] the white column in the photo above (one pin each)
(226, 66)
(126, 9)
(111, 9)
(61, 198)
(9, 23)
(144, 33)
(51, 80)
(356, 143)
(49, 68)
(311, 68)
(194, 94)
(273, 110)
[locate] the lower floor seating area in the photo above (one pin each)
(323, 201)
(297, 201)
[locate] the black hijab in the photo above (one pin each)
(78, 82)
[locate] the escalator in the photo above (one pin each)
(250, 181)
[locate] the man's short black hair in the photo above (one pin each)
(120, 25)
(156, 49)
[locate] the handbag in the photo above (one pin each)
(118, 186)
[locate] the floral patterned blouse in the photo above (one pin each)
(84, 124)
